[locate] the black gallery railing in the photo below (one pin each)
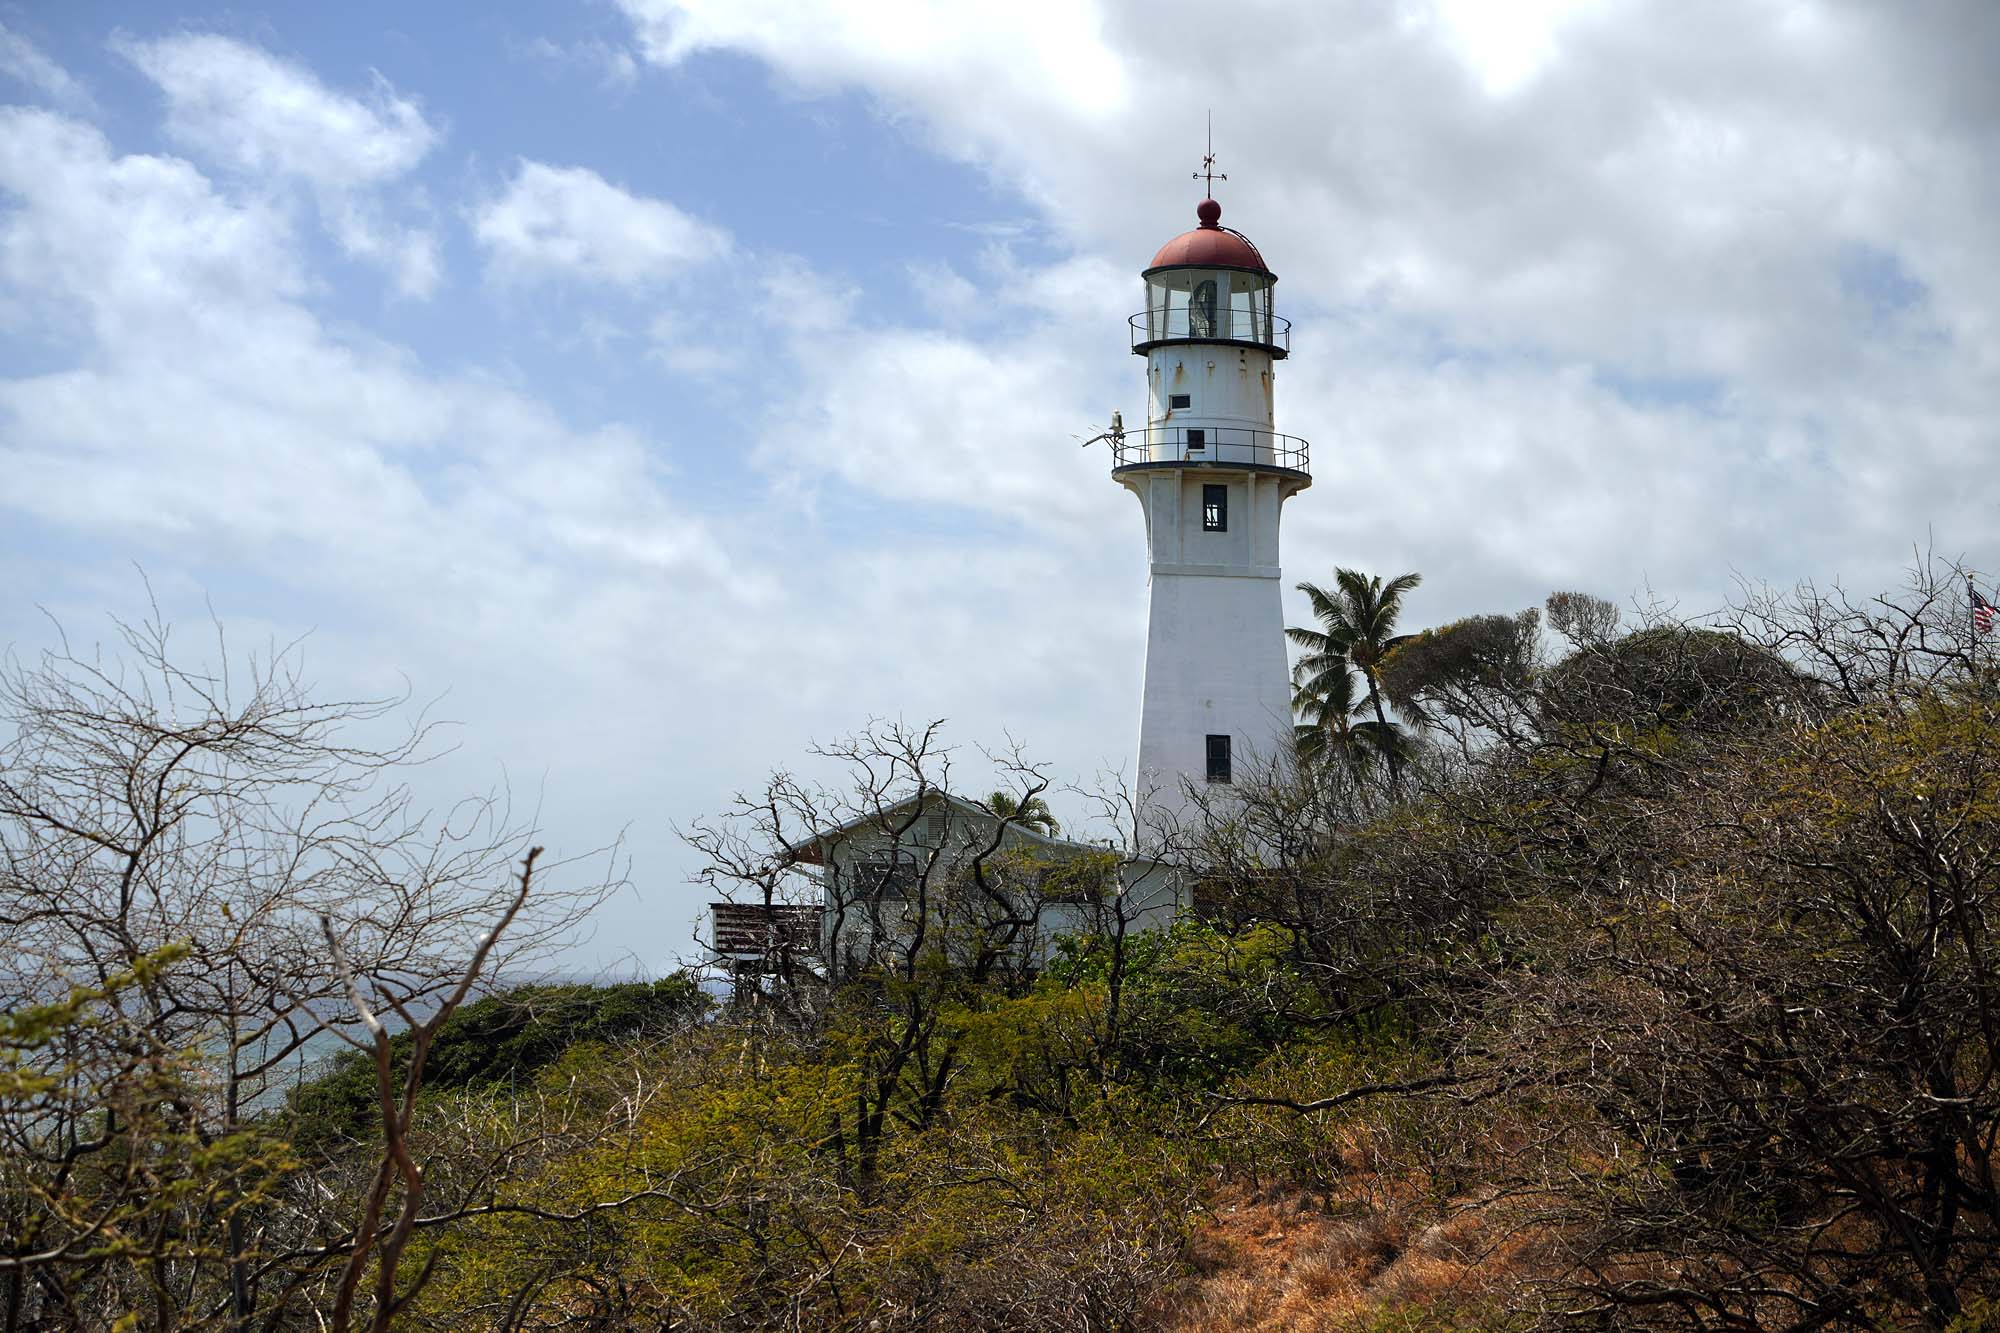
(1150, 327)
(1211, 444)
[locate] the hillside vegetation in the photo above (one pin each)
(1657, 991)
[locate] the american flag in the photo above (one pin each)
(1982, 610)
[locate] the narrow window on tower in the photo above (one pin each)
(1197, 440)
(1218, 758)
(1215, 518)
(1179, 400)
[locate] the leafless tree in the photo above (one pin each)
(398, 1169)
(218, 812)
(927, 897)
(1581, 618)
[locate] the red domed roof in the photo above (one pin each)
(1210, 245)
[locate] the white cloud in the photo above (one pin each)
(22, 60)
(571, 222)
(247, 110)
(1508, 45)
(209, 409)
(410, 254)
(794, 296)
(917, 46)
(966, 70)
(935, 419)
(946, 294)
(137, 250)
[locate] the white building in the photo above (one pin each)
(1212, 476)
(939, 872)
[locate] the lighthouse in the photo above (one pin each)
(1212, 475)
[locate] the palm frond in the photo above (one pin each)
(1312, 639)
(1325, 606)
(1393, 590)
(1386, 739)
(1318, 672)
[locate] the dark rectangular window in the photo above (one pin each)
(1215, 509)
(886, 876)
(1197, 439)
(1180, 400)
(1218, 758)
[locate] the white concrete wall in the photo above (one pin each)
(1176, 541)
(1215, 665)
(1226, 386)
(1153, 897)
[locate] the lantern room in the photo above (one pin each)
(1210, 285)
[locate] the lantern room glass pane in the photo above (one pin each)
(1201, 310)
(1166, 305)
(1196, 303)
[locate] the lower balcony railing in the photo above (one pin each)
(1227, 445)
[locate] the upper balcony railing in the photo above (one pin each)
(1241, 328)
(1226, 446)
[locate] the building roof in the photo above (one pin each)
(807, 850)
(1210, 245)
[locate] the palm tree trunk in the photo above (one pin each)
(1388, 737)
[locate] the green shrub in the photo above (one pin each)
(499, 1039)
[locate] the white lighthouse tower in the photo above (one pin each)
(1212, 474)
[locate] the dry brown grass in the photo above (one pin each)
(1278, 1260)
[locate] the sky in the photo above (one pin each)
(658, 387)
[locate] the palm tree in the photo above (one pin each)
(1032, 813)
(1358, 628)
(1333, 725)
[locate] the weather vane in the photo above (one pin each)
(1208, 172)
